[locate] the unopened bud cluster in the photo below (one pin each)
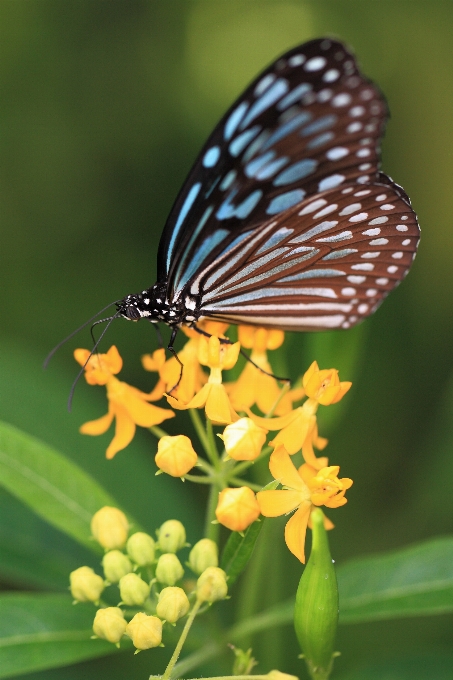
(148, 574)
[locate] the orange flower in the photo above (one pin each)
(175, 455)
(253, 386)
(324, 386)
(237, 508)
(218, 356)
(298, 428)
(303, 488)
(127, 404)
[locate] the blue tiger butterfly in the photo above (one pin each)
(285, 219)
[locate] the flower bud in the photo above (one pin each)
(140, 548)
(169, 569)
(86, 586)
(173, 604)
(109, 624)
(316, 610)
(204, 554)
(237, 508)
(116, 565)
(133, 590)
(172, 536)
(243, 439)
(109, 527)
(175, 455)
(278, 675)
(212, 585)
(145, 631)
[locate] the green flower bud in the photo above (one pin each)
(173, 604)
(316, 610)
(109, 527)
(145, 631)
(140, 548)
(172, 536)
(133, 590)
(86, 586)
(212, 585)
(244, 661)
(204, 554)
(109, 624)
(169, 569)
(116, 565)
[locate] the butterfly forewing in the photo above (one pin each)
(309, 123)
(327, 263)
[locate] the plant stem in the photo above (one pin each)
(181, 641)
(158, 431)
(211, 530)
(198, 425)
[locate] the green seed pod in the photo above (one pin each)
(133, 590)
(169, 569)
(212, 585)
(316, 610)
(86, 586)
(172, 536)
(116, 565)
(140, 548)
(109, 624)
(173, 604)
(204, 554)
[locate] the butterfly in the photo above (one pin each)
(285, 219)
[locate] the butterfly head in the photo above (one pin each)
(151, 304)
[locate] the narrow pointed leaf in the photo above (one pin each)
(49, 483)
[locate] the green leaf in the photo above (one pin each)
(33, 553)
(415, 581)
(54, 487)
(434, 667)
(238, 549)
(40, 631)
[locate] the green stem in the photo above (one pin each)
(198, 479)
(237, 481)
(198, 425)
(278, 615)
(213, 453)
(181, 641)
(158, 431)
(211, 530)
(234, 677)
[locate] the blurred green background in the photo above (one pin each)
(104, 106)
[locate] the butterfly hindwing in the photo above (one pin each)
(326, 264)
(309, 123)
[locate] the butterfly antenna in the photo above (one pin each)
(96, 345)
(71, 335)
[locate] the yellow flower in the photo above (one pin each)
(303, 488)
(175, 455)
(253, 386)
(213, 396)
(243, 439)
(237, 508)
(110, 527)
(298, 428)
(324, 386)
(126, 403)
(145, 631)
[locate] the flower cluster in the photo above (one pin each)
(148, 574)
(250, 411)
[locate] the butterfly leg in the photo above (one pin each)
(171, 349)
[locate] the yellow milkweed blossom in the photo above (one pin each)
(303, 488)
(213, 396)
(298, 428)
(127, 405)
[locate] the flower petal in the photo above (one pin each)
(293, 435)
(296, 530)
(99, 426)
(274, 503)
(283, 469)
(218, 407)
(124, 432)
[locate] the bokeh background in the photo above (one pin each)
(104, 106)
